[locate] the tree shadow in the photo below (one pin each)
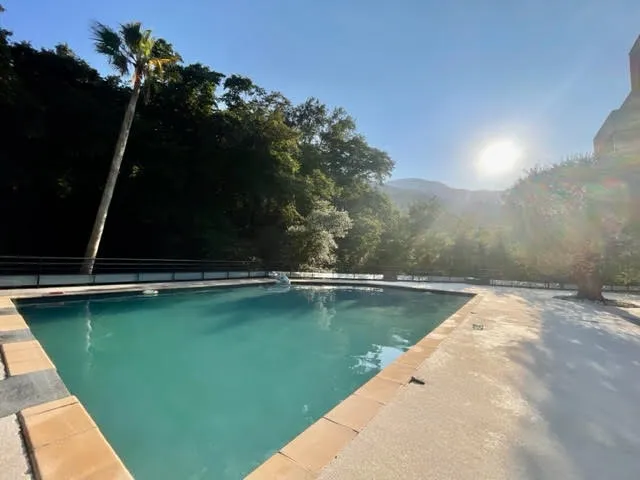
(581, 379)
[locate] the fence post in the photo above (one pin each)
(38, 271)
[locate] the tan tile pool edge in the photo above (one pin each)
(61, 439)
(310, 451)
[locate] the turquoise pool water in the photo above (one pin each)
(208, 384)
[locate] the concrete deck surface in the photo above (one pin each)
(549, 389)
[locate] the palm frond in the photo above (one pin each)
(157, 65)
(121, 63)
(131, 34)
(146, 44)
(105, 39)
(134, 48)
(108, 42)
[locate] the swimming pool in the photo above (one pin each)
(210, 383)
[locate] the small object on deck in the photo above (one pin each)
(280, 277)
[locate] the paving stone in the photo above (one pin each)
(379, 389)
(281, 468)
(86, 455)
(318, 444)
(22, 391)
(354, 412)
(15, 336)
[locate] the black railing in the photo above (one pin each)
(19, 265)
(16, 271)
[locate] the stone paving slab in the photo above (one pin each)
(22, 391)
(12, 336)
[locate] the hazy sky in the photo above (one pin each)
(429, 81)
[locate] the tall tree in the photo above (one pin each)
(130, 50)
(313, 241)
(572, 218)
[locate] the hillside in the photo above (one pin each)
(484, 205)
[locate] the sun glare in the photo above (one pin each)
(499, 157)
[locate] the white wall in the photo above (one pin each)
(46, 280)
(116, 278)
(18, 280)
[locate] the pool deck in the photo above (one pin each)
(518, 386)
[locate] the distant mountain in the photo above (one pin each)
(484, 205)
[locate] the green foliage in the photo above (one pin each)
(313, 242)
(574, 218)
(132, 50)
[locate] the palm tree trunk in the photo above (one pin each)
(107, 194)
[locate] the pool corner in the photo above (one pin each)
(307, 454)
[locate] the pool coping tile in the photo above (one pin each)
(64, 442)
(85, 455)
(379, 389)
(397, 372)
(280, 467)
(318, 444)
(11, 322)
(56, 424)
(25, 357)
(354, 412)
(45, 407)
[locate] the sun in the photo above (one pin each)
(499, 157)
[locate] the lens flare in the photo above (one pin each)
(498, 158)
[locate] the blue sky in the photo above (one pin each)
(430, 82)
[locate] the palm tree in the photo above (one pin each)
(131, 51)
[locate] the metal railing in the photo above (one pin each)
(15, 265)
(22, 271)
(478, 276)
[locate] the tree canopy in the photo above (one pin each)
(579, 220)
